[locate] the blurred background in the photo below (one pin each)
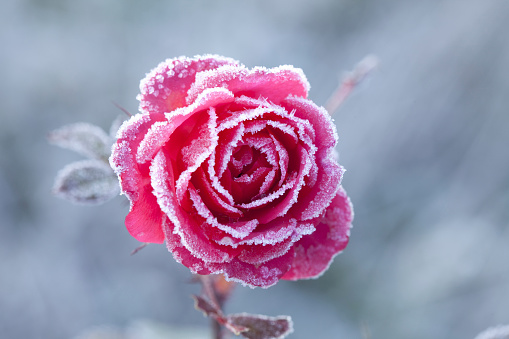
(425, 142)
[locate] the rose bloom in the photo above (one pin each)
(235, 169)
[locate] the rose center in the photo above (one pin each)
(242, 160)
(247, 171)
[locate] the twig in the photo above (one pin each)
(208, 289)
(352, 79)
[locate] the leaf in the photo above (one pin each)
(86, 182)
(208, 309)
(86, 139)
(256, 326)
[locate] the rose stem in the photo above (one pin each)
(208, 288)
(217, 332)
(352, 79)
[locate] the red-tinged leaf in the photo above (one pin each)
(236, 329)
(256, 326)
(208, 309)
(83, 138)
(86, 182)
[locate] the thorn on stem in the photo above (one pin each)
(122, 109)
(139, 248)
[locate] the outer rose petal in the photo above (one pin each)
(188, 226)
(316, 197)
(274, 84)
(326, 135)
(314, 252)
(180, 253)
(144, 219)
(165, 87)
(262, 275)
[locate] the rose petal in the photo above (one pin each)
(313, 200)
(214, 200)
(180, 253)
(323, 126)
(228, 140)
(238, 230)
(314, 253)
(282, 206)
(188, 226)
(201, 142)
(262, 275)
(145, 218)
(133, 179)
(123, 157)
(271, 233)
(257, 255)
(165, 87)
(274, 84)
(156, 137)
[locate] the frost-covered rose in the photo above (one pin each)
(234, 168)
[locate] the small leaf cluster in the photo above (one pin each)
(90, 181)
(251, 326)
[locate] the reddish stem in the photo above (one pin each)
(351, 80)
(208, 289)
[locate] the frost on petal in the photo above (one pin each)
(259, 254)
(314, 199)
(294, 185)
(86, 182)
(314, 252)
(323, 126)
(83, 138)
(274, 232)
(156, 137)
(228, 140)
(188, 226)
(131, 175)
(165, 88)
(214, 200)
(273, 84)
(180, 253)
(239, 229)
(262, 275)
(201, 141)
(215, 78)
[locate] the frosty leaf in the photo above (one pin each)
(86, 182)
(497, 332)
(208, 309)
(256, 326)
(86, 139)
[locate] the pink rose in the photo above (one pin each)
(234, 168)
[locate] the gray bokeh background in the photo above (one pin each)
(425, 143)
